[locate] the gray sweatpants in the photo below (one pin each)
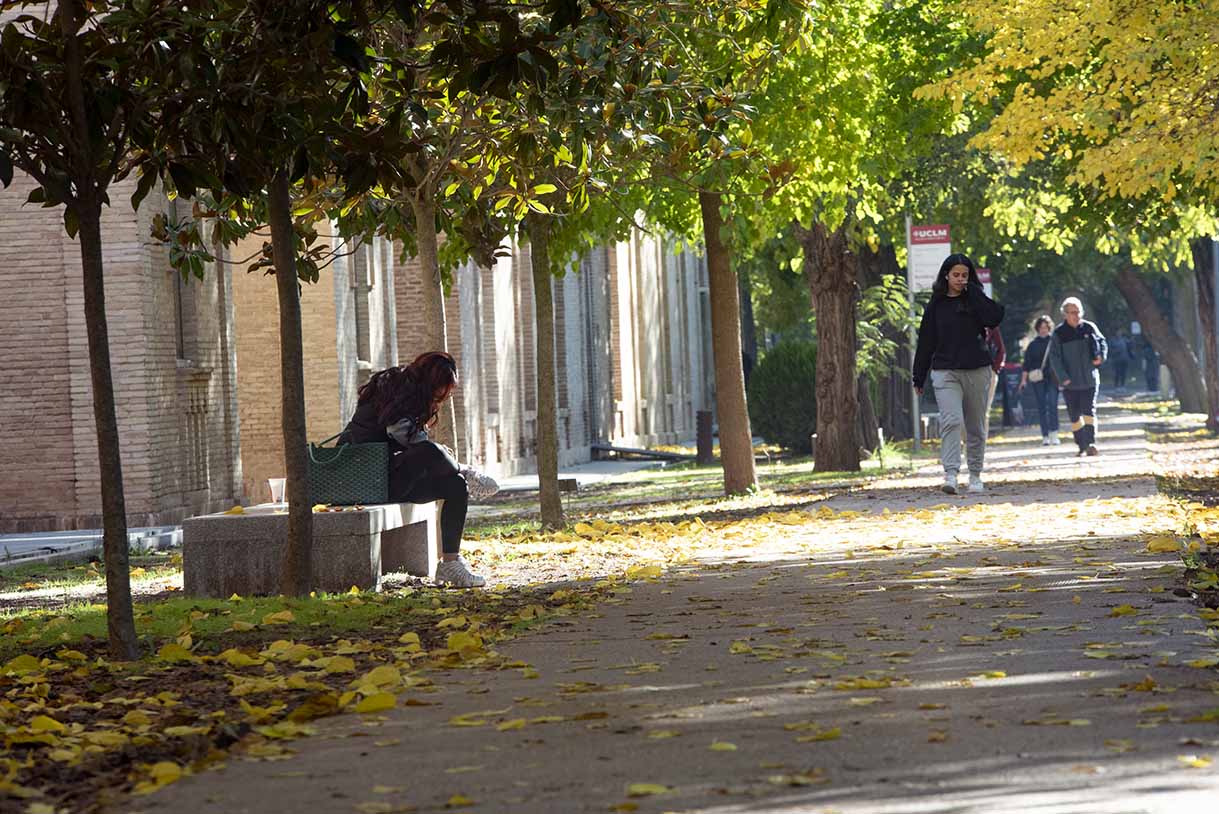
(962, 397)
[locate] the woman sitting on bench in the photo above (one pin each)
(396, 406)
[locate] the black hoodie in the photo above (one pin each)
(952, 335)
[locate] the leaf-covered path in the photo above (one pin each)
(893, 650)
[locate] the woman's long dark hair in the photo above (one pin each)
(412, 391)
(941, 281)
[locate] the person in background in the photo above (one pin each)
(1077, 350)
(952, 351)
(1151, 365)
(998, 355)
(1121, 353)
(397, 406)
(1045, 386)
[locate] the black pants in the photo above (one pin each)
(423, 472)
(1119, 375)
(1081, 407)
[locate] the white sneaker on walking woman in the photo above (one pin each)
(457, 574)
(949, 486)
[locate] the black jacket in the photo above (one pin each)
(1073, 352)
(952, 335)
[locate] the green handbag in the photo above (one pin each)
(348, 474)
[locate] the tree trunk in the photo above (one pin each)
(1204, 274)
(297, 576)
(435, 321)
(831, 269)
(120, 619)
(1186, 374)
(538, 227)
(736, 437)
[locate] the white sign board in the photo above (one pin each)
(984, 279)
(927, 247)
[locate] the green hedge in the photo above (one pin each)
(782, 395)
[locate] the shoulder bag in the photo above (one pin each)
(348, 474)
(1039, 374)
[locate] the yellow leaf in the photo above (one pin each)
(236, 510)
(937, 736)
(235, 658)
(464, 642)
(159, 774)
(385, 675)
(1123, 610)
(22, 665)
(377, 702)
(625, 807)
(1196, 761)
(174, 652)
(722, 746)
(515, 723)
(374, 807)
(241, 627)
(137, 717)
(71, 655)
(646, 789)
(279, 618)
(740, 646)
(336, 664)
(458, 801)
(828, 735)
(1163, 544)
(660, 734)
(42, 723)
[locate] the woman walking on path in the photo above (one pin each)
(1078, 349)
(396, 406)
(952, 349)
(1037, 372)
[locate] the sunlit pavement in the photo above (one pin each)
(901, 651)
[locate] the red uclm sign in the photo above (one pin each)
(929, 234)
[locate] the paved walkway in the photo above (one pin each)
(1014, 652)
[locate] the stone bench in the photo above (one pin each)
(226, 554)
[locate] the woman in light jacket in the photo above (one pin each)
(952, 351)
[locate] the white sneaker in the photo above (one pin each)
(1055, 440)
(456, 574)
(480, 485)
(950, 484)
(1046, 442)
(975, 484)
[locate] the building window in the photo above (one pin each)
(197, 404)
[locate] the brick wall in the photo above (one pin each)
(256, 326)
(45, 370)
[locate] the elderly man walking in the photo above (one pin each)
(1078, 349)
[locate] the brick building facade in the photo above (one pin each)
(196, 362)
(173, 363)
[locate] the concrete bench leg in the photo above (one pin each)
(413, 548)
(341, 562)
